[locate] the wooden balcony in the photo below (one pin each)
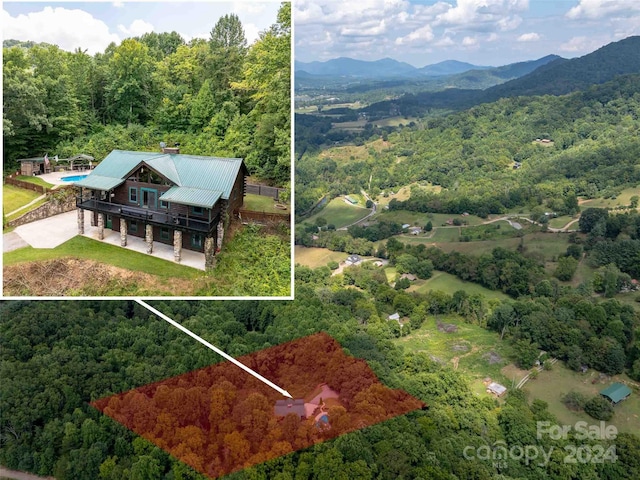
(153, 217)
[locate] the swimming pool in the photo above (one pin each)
(73, 178)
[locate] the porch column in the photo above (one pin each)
(80, 221)
(177, 245)
(148, 238)
(100, 226)
(123, 232)
(220, 234)
(209, 253)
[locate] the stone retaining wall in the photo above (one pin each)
(54, 206)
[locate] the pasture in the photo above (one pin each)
(339, 213)
(450, 284)
(316, 257)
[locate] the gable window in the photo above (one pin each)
(133, 194)
(164, 233)
(196, 240)
(197, 210)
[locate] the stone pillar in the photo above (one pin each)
(220, 234)
(80, 221)
(177, 245)
(209, 253)
(148, 238)
(123, 232)
(100, 226)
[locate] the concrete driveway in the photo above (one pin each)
(54, 231)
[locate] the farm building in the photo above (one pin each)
(616, 393)
(180, 200)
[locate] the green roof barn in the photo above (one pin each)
(616, 392)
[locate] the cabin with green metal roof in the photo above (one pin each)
(616, 392)
(181, 200)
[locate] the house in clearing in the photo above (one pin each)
(616, 393)
(181, 200)
(285, 407)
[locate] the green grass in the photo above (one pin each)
(394, 121)
(551, 385)
(260, 203)
(437, 219)
(339, 213)
(14, 197)
(621, 200)
(448, 283)
(560, 222)
(445, 235)
(86, 248)
(35, 180)
(316, 257)
(391, 274)
(473, 361)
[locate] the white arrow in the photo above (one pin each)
(214, 348)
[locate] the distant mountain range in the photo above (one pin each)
(553, 76)
(387, 68)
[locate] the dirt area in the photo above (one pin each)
(70, 276)
(492, 358)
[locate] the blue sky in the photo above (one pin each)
(93, 25)
(482, 32)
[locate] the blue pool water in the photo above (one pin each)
(73, 178)
(324, 419)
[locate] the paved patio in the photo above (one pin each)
(54, 231)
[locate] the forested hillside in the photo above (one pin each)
(593, 150)
(57, 357)
(216, 97)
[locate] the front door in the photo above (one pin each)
(109, 221)
(149, 198)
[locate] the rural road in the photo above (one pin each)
(6, 473)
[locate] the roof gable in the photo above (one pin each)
(214, 174)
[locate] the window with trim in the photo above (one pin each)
(133, 226)
(133, 194)
(164, 233)
(197, 210)
(164, 204)
(196, 240)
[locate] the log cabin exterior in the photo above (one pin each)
(181, 200)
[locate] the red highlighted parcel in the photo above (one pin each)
(219, 419)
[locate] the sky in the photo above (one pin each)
(93, 25)
(481, 32)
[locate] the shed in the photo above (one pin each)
(616, 392)
(394, 316)
(34, 166)
(353, 260)
(496, 389)
(285, 407)
(409, 276)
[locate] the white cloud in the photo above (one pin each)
(492, 37)
(137, 28)
(484, 14)
(366, 29)
(69, 29)
(118, 4)
(421, 35)
(582, 44)
(469, 41)
(529, 37)
(599, 9)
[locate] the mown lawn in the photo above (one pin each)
(339, 213)
(260, 203)
(35, 180)
(87, 248)
(560, 222)
(551, 385)
(316, 257)
(448, 283)
(14, 197)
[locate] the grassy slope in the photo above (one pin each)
(260, 203)
(14, 197)
(316, 257)
(450, 283)
(339, 213)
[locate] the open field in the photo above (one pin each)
(262, 204)
(448, 283)
(339, 213)
(403, 193)
(421, 219)
(560, 222)
(356, 126)
(474, 350)
(316, 257)
(391, 274)
(14, 197)
(352, 152)
(394, 121)
(624, 198)
(551, 385)
(631, 298)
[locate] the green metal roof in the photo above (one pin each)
(191, 196)
(99, 182)
(616, 392)
(205, 176)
